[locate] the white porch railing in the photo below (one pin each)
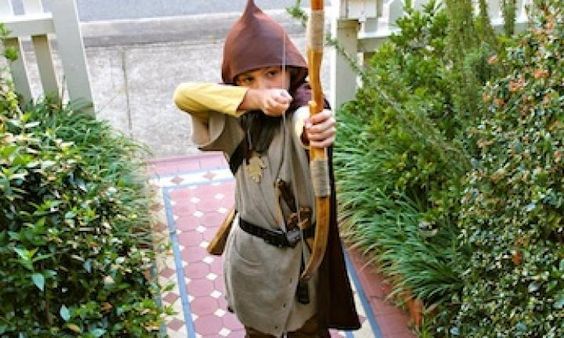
(38, 24)
(362, 25)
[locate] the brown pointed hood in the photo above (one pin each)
(257, 41)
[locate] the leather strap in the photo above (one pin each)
(276, 237)
(237, 157)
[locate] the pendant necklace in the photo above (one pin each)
(254, 165)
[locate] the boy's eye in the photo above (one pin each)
(245, 80)
(273, 72)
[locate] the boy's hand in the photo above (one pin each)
(273, 102)
(320, 129)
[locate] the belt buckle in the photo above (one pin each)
(293, 237)
(275, 238)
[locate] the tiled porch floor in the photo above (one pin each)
(194, 193)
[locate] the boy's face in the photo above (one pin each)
(265, 78)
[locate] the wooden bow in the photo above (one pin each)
(318, 156)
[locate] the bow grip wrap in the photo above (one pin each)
(318, 156)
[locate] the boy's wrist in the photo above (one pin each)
(251, 101)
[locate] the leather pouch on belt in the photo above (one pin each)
(293, 220)
(304, 217)
(303, 222)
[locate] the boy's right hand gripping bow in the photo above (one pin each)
(318, 156)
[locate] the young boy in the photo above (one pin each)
(259, 119)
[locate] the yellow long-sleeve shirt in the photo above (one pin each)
(199, 99)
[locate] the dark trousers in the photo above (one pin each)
(309, 330)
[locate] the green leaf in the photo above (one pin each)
(32, 124)
(98, 332)
(26, 257)
(559, 304)
(11, 53)
(24, 253)
(65, 313)
(38, 280)
(87, 265)
(74, 328)
(42, 257)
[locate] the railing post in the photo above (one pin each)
(343, 77)
(394, 12)
(37, 24)
(71, 50)
(17, 68)
(43, 53)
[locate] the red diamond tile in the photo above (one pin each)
(167, 272)
(175, 324)
(177, 180)
(170, 297)
(209, 175)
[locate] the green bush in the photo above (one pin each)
(512, 209)
(75, 230)
(405, 139)
(400, 138)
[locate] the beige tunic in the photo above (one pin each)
(261, 279)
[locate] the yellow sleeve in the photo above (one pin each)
(199, 99)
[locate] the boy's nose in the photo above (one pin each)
(263, 83)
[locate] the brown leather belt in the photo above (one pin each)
(277, 238)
